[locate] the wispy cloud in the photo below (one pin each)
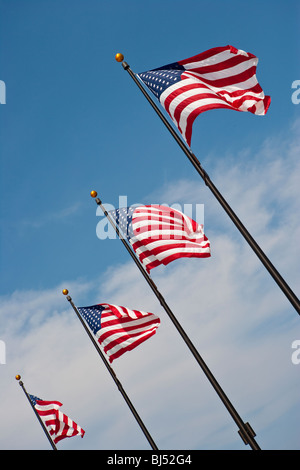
(49, 217)
(234, 313)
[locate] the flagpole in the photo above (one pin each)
(197, 165)
(245, 430)
(112, 373)
(18, 377)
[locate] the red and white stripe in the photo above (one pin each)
(123, 329)
(163, 234)
(222, 77)
(58, 424)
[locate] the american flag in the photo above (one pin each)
(57, 423)
(159, 234)
(222, 77)
(119, 329)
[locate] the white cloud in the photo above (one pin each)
(234, 313)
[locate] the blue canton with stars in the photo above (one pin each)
(34, 399)
(92, 316)
(123, 219)
(158, 80)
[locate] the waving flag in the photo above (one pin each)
(222, 77)
(119, 329)
(159, 234)
(57, 423)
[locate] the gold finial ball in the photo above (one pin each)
(18, 377)
(119, 57)
(65, 291)
(94, 193)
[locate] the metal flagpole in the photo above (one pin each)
(245, 430)
(197, 165)
(18, 377)
(112, 373)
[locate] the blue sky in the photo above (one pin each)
(74, 121)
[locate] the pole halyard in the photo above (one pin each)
(293, 299)
(112, 373)
(245, 430)
(18, 377)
